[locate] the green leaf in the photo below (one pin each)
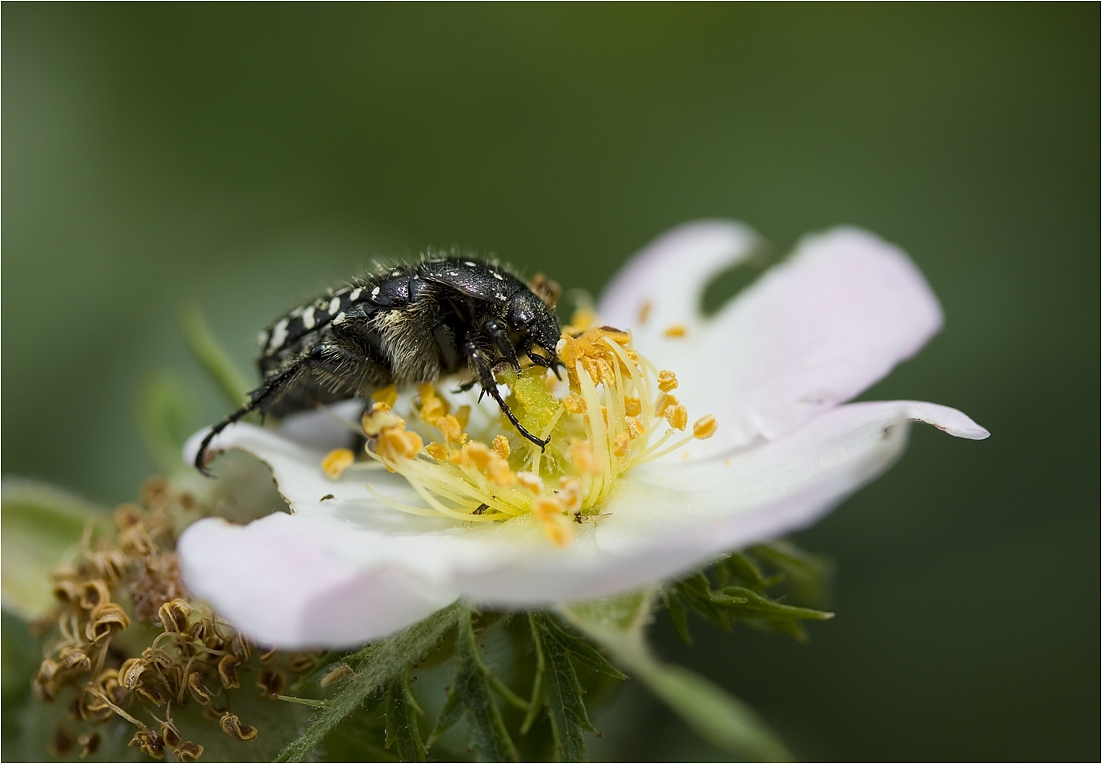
(563, 694)
(166, 414)
(376, 666)
(488, 734)
(402, 730)
(451, 713)
(806, 574)
(210, 355)
(41, 525)
(740, 569)
(718, 717)
(679, 615)
(743, 598)
(580, 649)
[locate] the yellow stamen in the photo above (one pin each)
(599, 424)
(387, 395)
(705, 427)
(677, 416)
(337, 461)
(676, 330)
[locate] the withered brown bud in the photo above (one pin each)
(127, 515)
(89, 744)
(271, 682)
(130, 671)
(155, 492)
(174, 615)
(136, 540)
(170, 734)
(61, 742)
(111, 564)
(233, 727)
(149, 743)
(189, 751)
(152, 694)
(72, 661)
(157, 657)
(47, 670)
(240, 647)
(338, 673)
(549, 291)
(301, 663)
(198, 690)
(67, 591)
(227, 671)
(107, 618)
(93, 593)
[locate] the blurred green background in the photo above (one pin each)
(245, 157)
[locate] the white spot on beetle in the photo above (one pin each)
(355, 294)
(334, 305)
(375, 292)
(470, 263)
(498, 276)
(308, 317)
(279, 335)
(338, 318)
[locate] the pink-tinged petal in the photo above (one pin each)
(316, 580)
(812, 333)
(666, 519)
(304, 582)
(297, 471)
(679, 516)
(666, 278)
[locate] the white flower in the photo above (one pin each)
(774, 367)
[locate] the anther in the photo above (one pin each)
(337, 461)
(705, 427)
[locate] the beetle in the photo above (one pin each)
(404, 325)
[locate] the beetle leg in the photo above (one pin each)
(489, 387)
(500, 337)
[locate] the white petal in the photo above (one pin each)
(314, 580)
(304, 582)
(678, 516)
(669, 519)
(812, 333)
(297, 471)
(668, 277)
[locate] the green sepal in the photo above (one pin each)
(41, 525)
(449, 715)
(375, 666)
(212, 358)
(806, 575)
(563, 694)
(403, 732)
(743, 593)
(489, 737)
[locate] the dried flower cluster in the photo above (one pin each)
(129, 643)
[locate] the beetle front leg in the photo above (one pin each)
(489, 387)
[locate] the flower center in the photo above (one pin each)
(603, 419)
